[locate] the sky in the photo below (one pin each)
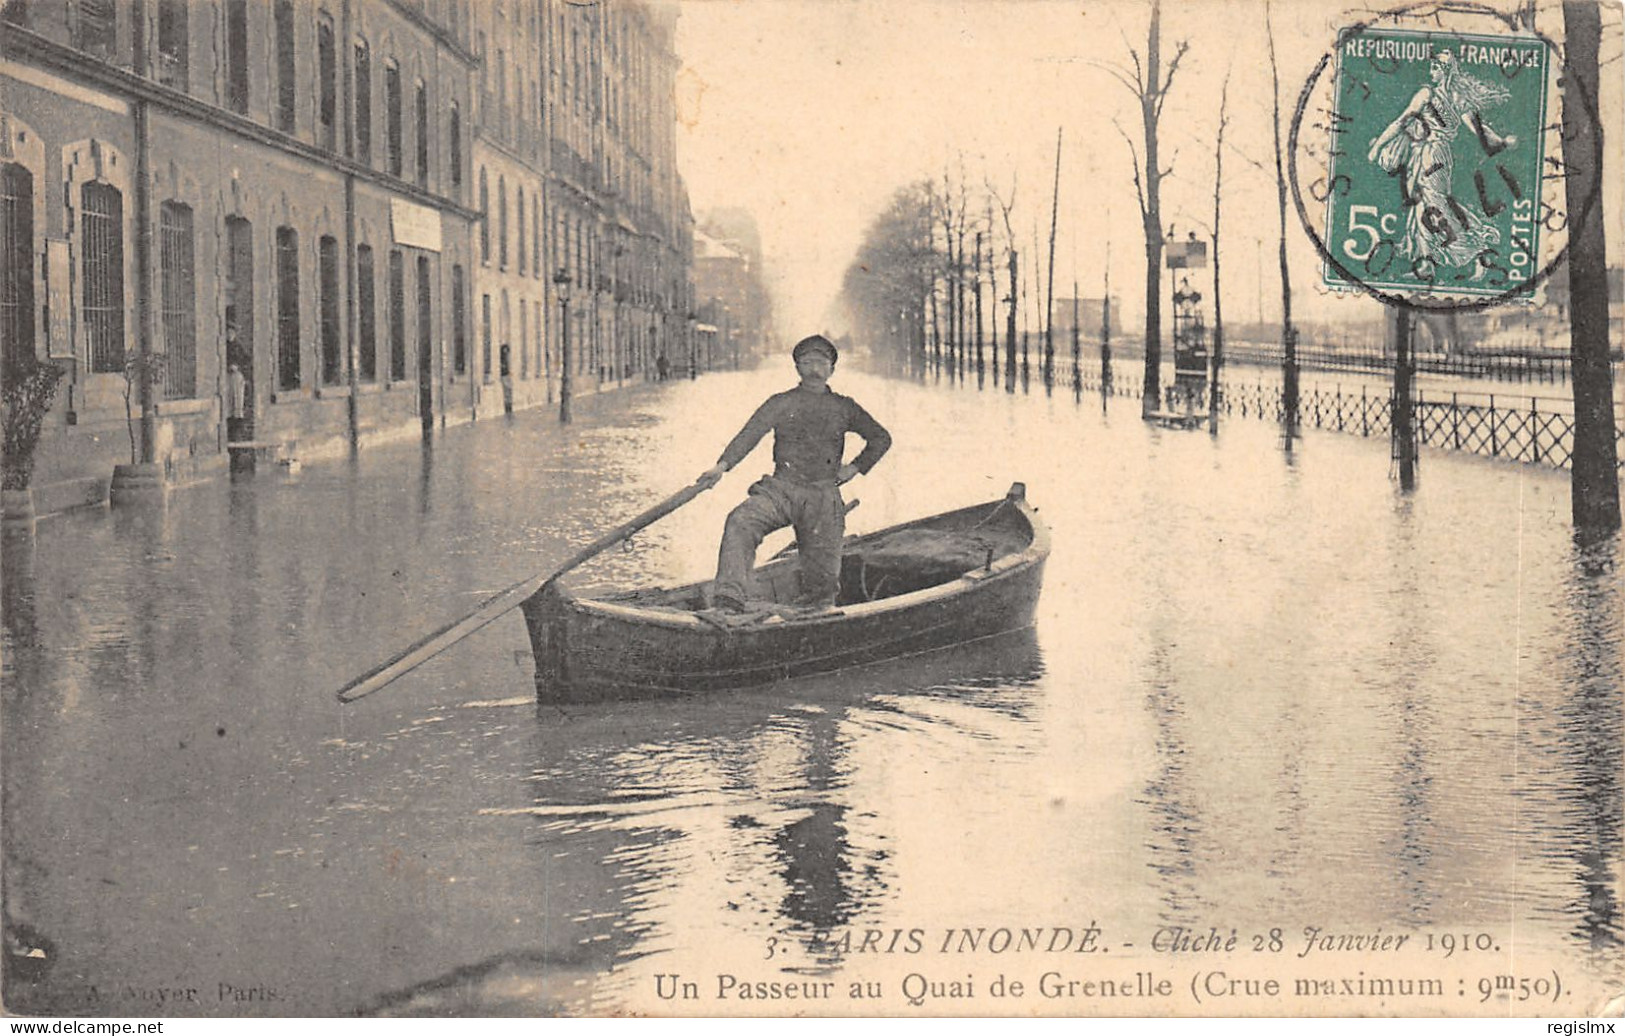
(811, 113)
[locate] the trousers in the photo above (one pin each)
(816, 512)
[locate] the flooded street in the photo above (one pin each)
(1264, 691)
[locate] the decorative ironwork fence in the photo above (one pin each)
(1530, 430)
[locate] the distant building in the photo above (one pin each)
(1091, 314)
(731, 298)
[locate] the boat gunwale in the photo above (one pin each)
(1005, 567)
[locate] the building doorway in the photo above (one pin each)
(239, 331)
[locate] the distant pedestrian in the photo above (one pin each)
(662, 366)
(236, 389)
(505, 374)
(809, 425)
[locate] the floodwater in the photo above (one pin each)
(1265, 691)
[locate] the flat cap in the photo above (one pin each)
(815, 343)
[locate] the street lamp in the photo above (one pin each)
(561, 286)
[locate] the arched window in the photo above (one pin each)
(392, 117)
(363, 103)
(327, 84)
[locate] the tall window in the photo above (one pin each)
(502, 222)
(392, 116)
(485, 218)
(367, 313)
(459, 334)
(502, 93)
(332, 343)
(103, 244)
(173, 45)
(287, 307)
(519, 197)
(97, 27)
(363, 103)
(535, 235)
(423, 133)
(455, 131)
(16, 265)
(237, 56)
(178, 300)
(524, 340)
(397, 316)
(485, 337)
(285, 66)
(327, 73)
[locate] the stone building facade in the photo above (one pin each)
(325, 223)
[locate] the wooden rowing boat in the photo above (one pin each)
(938, 581)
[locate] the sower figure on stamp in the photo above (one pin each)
(809, 425)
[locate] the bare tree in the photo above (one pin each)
(1049, 292)
(1149, 83)
(1289, 333)
(1217, 357)
(1010, 326)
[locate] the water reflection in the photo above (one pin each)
(1265, 692)
(1591, 725)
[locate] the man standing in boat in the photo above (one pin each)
(809, 425)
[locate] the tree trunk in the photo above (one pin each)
(1289, 334)
(1151, 396)
(1595, 475)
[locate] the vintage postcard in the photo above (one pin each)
(777, 508)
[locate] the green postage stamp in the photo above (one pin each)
(1436, 163)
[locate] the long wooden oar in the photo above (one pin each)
(504, 602)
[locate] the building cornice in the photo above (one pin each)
(441, 34)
